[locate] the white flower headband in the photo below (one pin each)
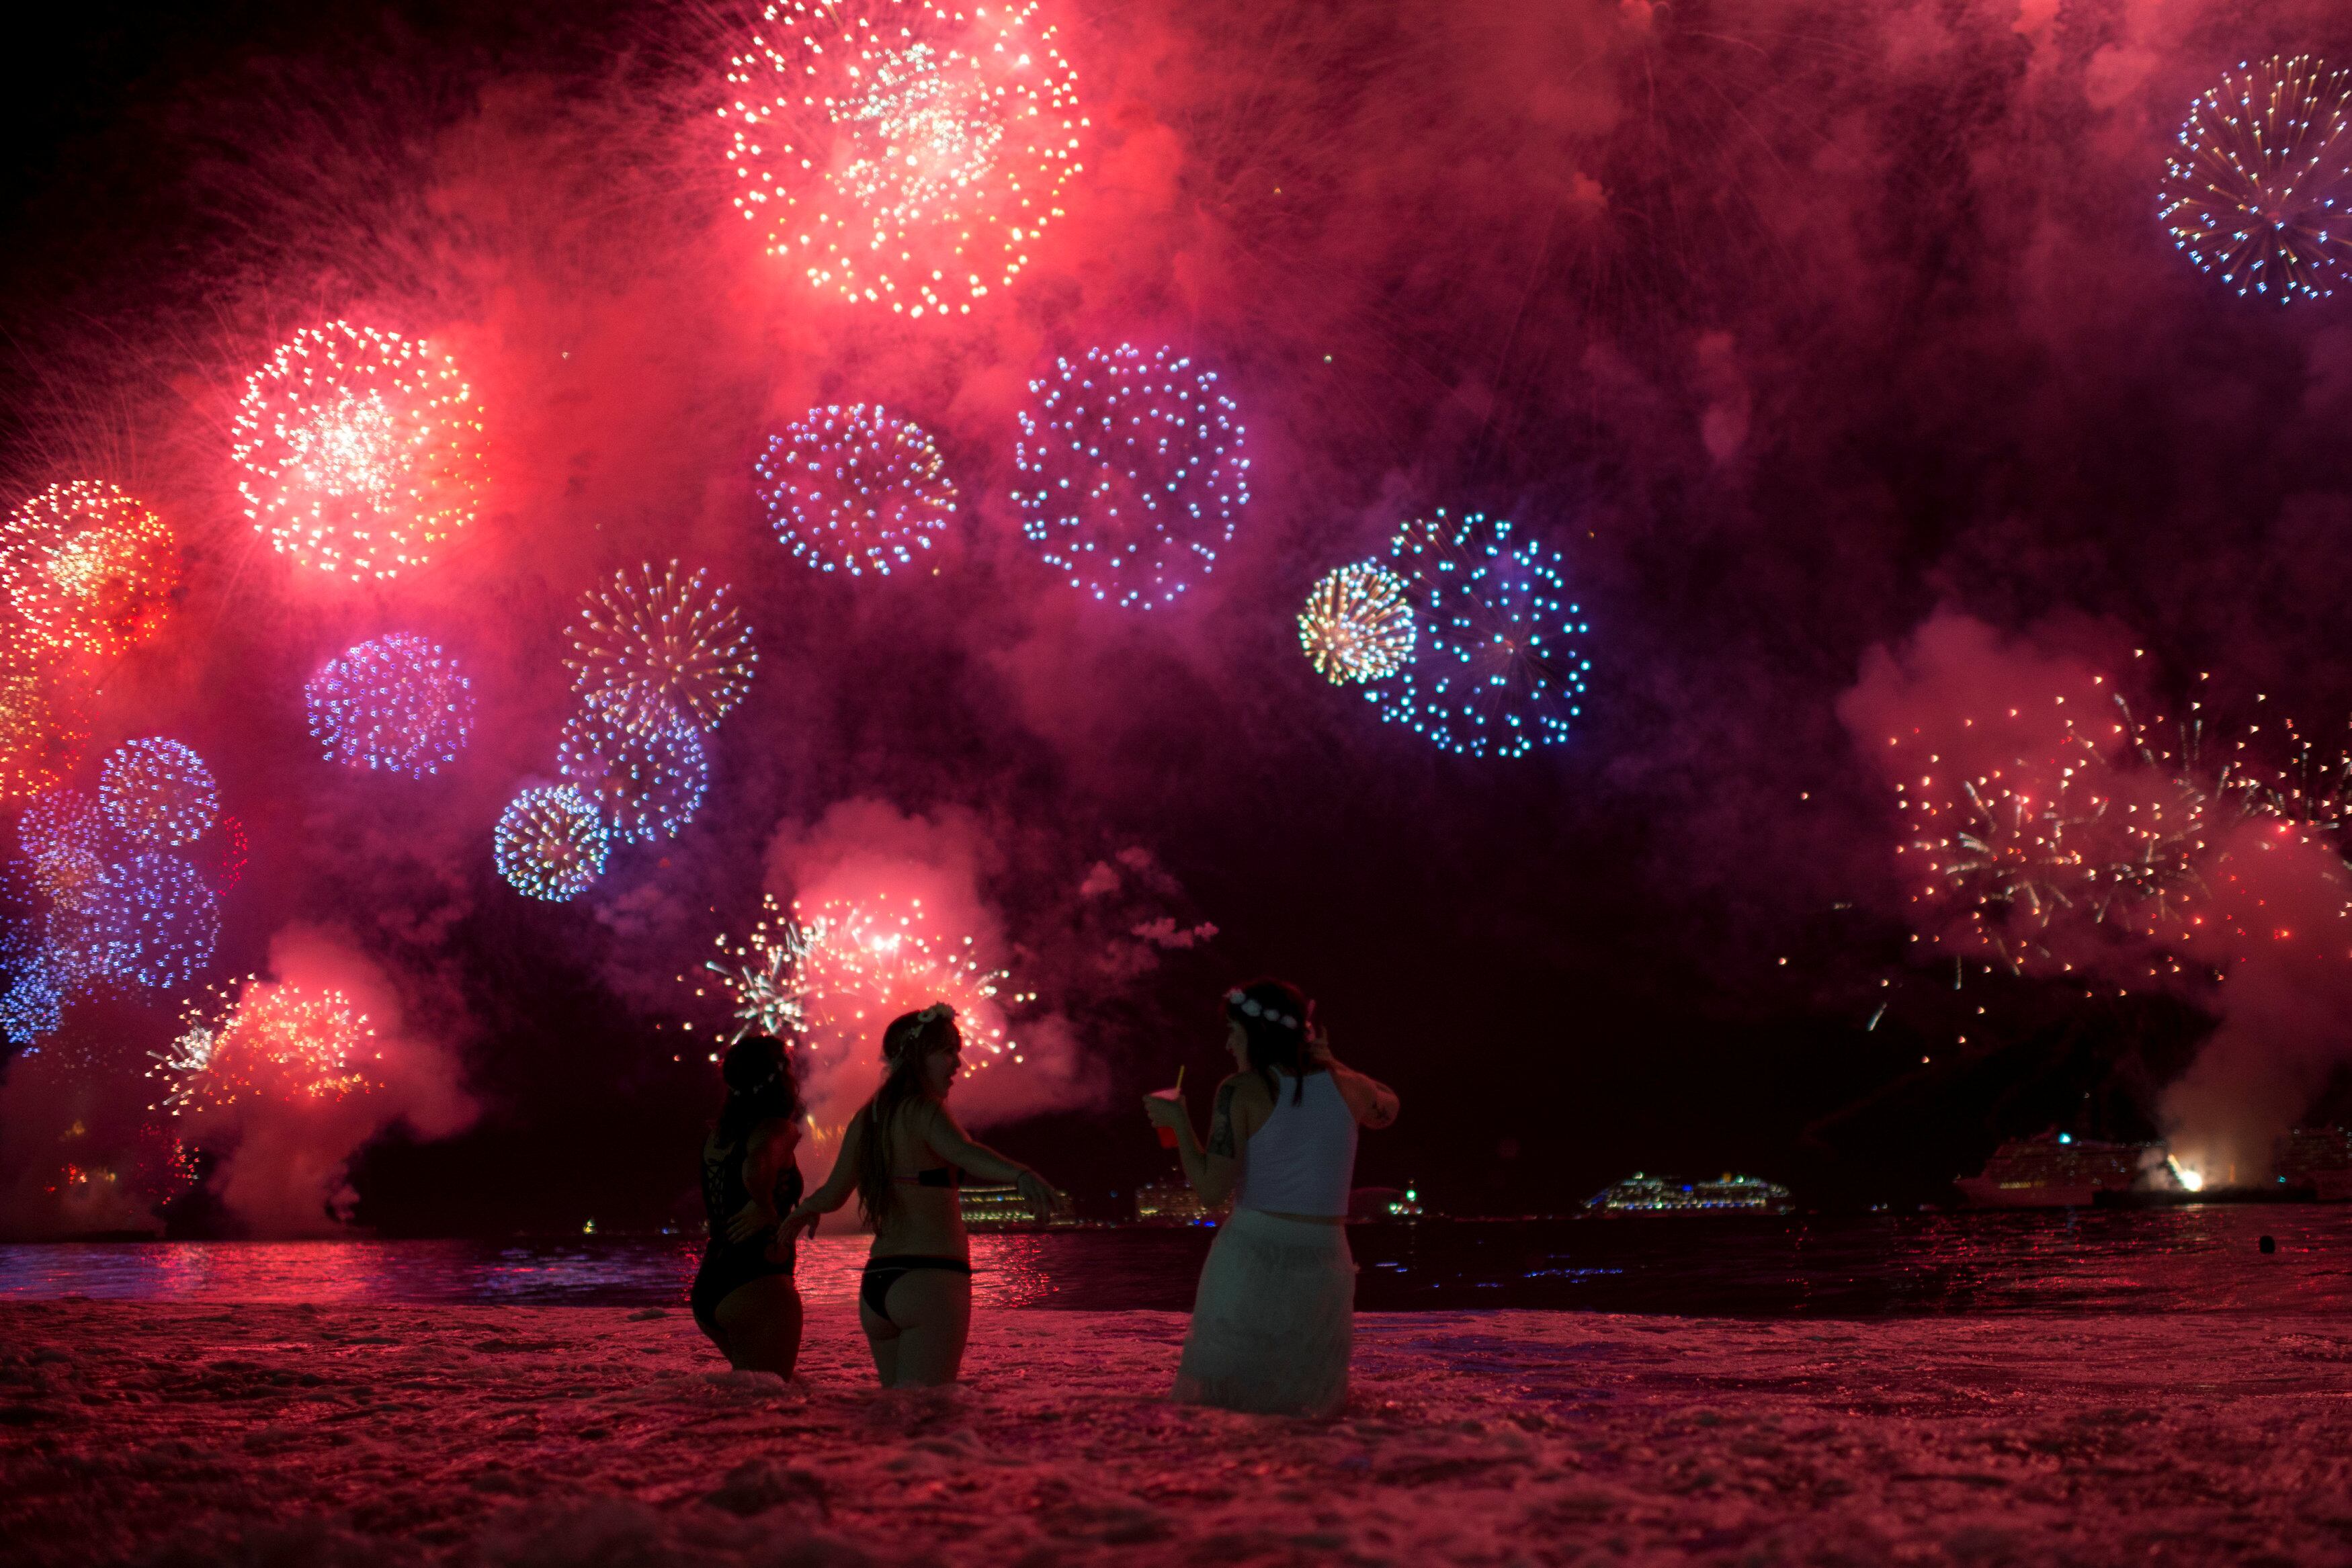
(893, 1045)
(1241, 1002)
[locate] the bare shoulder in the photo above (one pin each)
(1246, 1089)
(936, 1126)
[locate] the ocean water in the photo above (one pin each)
(2172, 1260)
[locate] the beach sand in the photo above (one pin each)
(546, 1437)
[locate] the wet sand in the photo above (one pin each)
(340, 1437)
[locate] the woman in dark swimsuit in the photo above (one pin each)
(901, 1156)
(744, 1296)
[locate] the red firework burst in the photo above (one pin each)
(362, 450)
(86, 570)
(903, 152)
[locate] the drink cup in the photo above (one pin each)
(1167, 1134)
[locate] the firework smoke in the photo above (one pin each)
(1772, 321)
(867, 862)
(287, 1143)
(2245, 910)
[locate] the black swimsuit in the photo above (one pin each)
(880, 1273)
(728, 1265)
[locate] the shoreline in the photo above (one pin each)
(551, 1436)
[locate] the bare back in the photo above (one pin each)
(927, 1216)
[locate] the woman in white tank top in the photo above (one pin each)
(1274, 1320)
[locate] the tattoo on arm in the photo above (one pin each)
(1220, 1123)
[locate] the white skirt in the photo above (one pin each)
(1274, 1320)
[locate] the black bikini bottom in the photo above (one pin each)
(881, 1273)
(727, 1267)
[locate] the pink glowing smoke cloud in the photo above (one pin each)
(285, 1165)
(868, 855)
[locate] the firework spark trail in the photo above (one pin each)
(158, 791)
(2034, 843)
(2069, 836)
(2260, 188)
(32, 1006)
(2269, 769)
(662, 644)
(902, 151)
(831, 979)
(760, 974)
(2114, 821)
(151, 920)
(268, 1041)
(869, 960)
(828, 980)
(43, 728)
(223, 865)
(123, 914)
(2244, 901)
(63, 834)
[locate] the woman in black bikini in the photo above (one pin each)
(744, 1296)
(901, 1156)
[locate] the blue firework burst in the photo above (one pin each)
(398, 704)
(1500, 669)
(1131, 473)
(549, 844)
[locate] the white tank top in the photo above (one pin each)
(1303, 1160)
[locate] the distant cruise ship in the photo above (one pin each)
(1174, 1203)
(2057, 1170)
(1727, 1194)
(1003, 1209)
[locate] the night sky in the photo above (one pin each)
(1836, 348)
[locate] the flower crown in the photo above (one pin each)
(784, 1063)
(1242, 1002)
(895, 1044)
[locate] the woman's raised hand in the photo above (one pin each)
(1319, 1044)
(1165, 1109)
(1038, 1192)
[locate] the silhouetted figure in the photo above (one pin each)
(743, 1295)
(901, 1154)
(1274, 1319)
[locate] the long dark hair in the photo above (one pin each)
(911, 1039)
(1274, 1016)
(758, 1072)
